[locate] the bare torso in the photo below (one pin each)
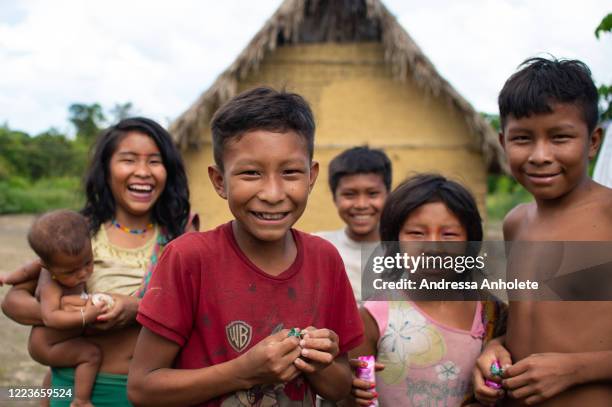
(117, 348)
(565, 327)
(118, 345)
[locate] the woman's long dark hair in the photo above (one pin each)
(172, 207)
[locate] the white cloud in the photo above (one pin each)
(159, 57)
(476, 45)
(162, 55)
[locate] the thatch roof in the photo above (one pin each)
(308, 21)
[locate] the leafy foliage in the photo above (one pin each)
(605, 91)
(18, 195)
(43, 172)
(605, 99)
(503, 191)
(605, 26)
(88, 120)
(50, 154)
(493, 120)
(122, 111)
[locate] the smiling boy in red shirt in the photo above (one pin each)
(220, 303)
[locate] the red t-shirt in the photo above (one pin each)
(209, 298)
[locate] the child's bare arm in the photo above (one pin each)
(328, 372)
(54, 317)
(72, 302)
(361, 392)
(594, 366)
(334, 382)
(21, 306)
(541, 376)
(27, 272)
(152, 381)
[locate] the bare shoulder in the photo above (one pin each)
(514, 219)
(605, 201)
(48, 289)
(598, 213)
(45, 279)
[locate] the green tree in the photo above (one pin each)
(5, 168)
(122, 111)
(493, 120)
(48, 155)
(14, 151)
(55, 156)
(605, 91)
(605, 26)
(87, 119)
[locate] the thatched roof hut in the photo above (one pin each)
(352, 33)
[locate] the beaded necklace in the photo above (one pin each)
(132, 231)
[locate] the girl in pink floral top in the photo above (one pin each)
(428, 348)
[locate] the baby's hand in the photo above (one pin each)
(319, 349)
(493, 352)
(91, 311)
(361, 390)
(540, 376)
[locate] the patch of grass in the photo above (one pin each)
(19, 195)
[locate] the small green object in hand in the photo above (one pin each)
(295, 332)
(496, 369)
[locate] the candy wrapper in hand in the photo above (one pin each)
(493, 385)
(368, 373)
(101, 298)
(496, 370)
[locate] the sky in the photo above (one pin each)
(162, 55)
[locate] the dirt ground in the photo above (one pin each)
(16, 367)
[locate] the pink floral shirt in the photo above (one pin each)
(426, 363)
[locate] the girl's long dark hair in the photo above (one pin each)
(427, 188)
(420, 190)
(171, 209)
(414, 193)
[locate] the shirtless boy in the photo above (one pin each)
(556, 353)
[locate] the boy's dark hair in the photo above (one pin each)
(542, 82)
(58, 231)
(359, 160)
(261, 108)
(172, 207)
(427, 188)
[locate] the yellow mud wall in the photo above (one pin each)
(355, 101)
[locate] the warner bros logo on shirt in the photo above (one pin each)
(239, 335)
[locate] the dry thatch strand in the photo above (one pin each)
(288, 24)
